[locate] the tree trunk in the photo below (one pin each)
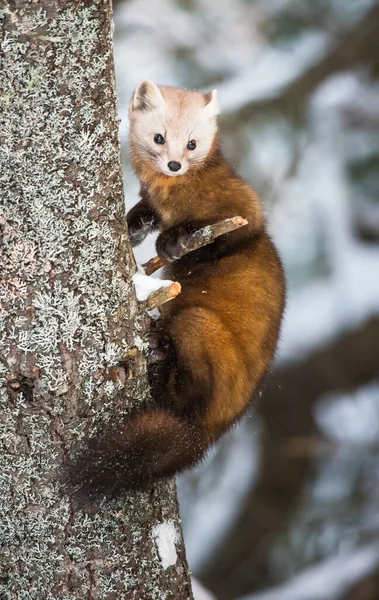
(68, 316)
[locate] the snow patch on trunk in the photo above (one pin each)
(165, 536)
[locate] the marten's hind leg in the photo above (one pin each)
(161, 361)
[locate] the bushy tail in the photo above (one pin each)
(150, 445)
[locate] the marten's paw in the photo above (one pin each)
(141, 222)
(171, 244)
(160, 346)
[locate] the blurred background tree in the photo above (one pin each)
(288, 503)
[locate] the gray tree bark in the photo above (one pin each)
(68, 316)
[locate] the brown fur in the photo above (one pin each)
(219, 335)
(224, 326)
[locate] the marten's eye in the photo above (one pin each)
(159, 139)
(191, 145)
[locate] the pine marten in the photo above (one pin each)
(217, 339)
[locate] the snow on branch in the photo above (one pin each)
(155, 292)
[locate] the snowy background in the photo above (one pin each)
(287, 507)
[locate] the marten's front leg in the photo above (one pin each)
(170, 243)
(142, 220)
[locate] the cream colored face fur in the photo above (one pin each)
(180, 116)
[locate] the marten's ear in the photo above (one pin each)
(212, 107)
(146, 96)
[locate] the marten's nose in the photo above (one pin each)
(174, 166)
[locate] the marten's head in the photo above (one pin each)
(171, 130)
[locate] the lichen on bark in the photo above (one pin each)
(68, 314)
